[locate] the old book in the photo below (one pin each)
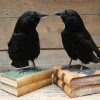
(27, 88)
(17, 80)
(75, 79)
(77, 91)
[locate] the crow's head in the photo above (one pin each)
(29, 20)
(71, 19)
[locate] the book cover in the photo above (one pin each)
(73, 78)
(77, 91)
(27, 88)
(17, 80)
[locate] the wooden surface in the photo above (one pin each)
(49, 28)
(47, 58)
(51, 92)
(16, 7)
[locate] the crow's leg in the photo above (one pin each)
(21, 70)
(70, 64)
(34, 68)
(81, 67)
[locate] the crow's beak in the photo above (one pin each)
(57, 14)
(43, 15)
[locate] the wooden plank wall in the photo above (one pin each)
(49, 28)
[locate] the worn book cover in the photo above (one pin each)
(16, 79)
(77, 91)
(27, 88)
(73, 78)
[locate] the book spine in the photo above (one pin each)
(62, 85)
(66, 77)
(33, 86)
(34, 78)
(78, 91)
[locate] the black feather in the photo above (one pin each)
(77, 41)
(24, 44)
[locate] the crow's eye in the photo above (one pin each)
(71, 14)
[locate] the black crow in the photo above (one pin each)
(24, 44)
(77, 41)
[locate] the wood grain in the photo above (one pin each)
(50, 28)
(16, 7)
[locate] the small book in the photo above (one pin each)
(73, 78)
(17, 79)
(27, 88)
(77, 91)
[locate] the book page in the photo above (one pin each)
(51, 92)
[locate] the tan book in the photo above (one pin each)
(27, 88)
(74, 79)
(77, 91)
(17, 80)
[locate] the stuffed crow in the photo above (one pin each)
(24, 44)
(77, 41)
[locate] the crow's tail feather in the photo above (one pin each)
(95, 59)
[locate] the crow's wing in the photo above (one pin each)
(16, 38)
(36, 45)
(17, 46)
(93, 45)
(84, 39)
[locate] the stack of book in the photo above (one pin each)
(19, 84)
(76, 83)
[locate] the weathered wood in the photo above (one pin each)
(16, 7)
(50, 28)
(47, 58)
(51, 92)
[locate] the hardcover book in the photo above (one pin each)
(19, 84)
(17, 79)
(27, 88)
(77, 91)
(73, 78)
